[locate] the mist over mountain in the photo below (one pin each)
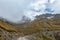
(14, 10)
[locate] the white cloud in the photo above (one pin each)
(52, 1)
(56, 6)
(38, 5)
(13, 10)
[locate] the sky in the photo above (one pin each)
(14, 10)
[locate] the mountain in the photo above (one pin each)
(40, 28)
(45, 15)
(41, 22)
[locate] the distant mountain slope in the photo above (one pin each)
(40, 23)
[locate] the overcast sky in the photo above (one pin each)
(13, 10)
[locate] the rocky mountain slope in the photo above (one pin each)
(42, 28)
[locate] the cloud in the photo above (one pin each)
(34, 9)
(14, 10)
(56, 6)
